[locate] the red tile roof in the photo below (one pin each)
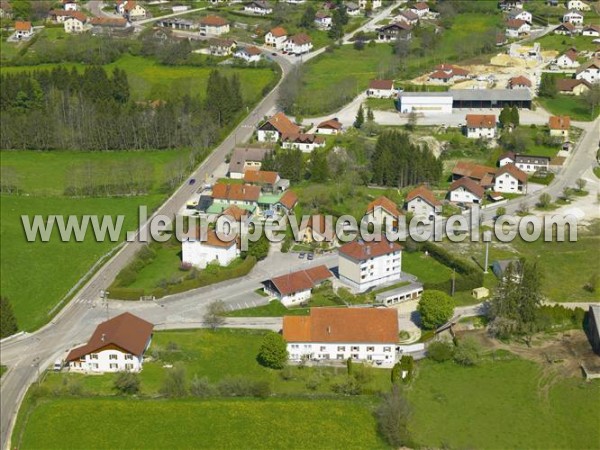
(239, 192)
(235, 212)
(425, 194)
(289, 199)
(303, 138)
(22, 26)
(301, 39)
(421, 6)
(559, 122)
(260, 177)
(515, 23)
(514, 171)
(381, 84)
(279, 32)
(301, 280)
(510, 155)
(331, 123)
(469, 185)
(360, 250)
(213, 21)
(282, 124)
(385, 203)
(481, 121)
(475, 171)
(343, 325)
(519, 81)
(126, 331)
(108, 22)
(568, 84)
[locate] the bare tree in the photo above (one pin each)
(580, 184)
(214, 314)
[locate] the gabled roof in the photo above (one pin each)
(125, 331)
(322, 15)
(568, 25)
(559, 122)
(360, 250)
(571, 54)
(300, 39)
(282, 124)
(343, 325)
(425, 194)
(260, 177)
(334, 124)
(514, 171)
(279, 32)
(381, 84)
(22, 26)
(421, 6)
(235, 212)
(242, 154)
(222, 43)
(301, 280)
(519, 81)
(568, 84)
(592, 27)
(239, 192)
(476, 171)
(289, 199)
(507, 155)
(515, 24)
(385, 203)
(213, 21)
(591, 64)
(532, 159)
(251, 50)
(469, 185)
(401, 25)
(481, 121)
(302, 138)
(409, 15)
(108, 22)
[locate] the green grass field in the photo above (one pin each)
(224, 424)
(502, 405)
(569, 105)
(563, 43)
(151, 80)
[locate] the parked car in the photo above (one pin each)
(310, 256)
(192, 181)
(301, 255)
(58, 364)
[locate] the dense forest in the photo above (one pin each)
(92, 110)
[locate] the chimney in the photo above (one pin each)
(329, 330)
(103, 336)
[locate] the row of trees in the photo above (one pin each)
(93, 110)
(8, 321)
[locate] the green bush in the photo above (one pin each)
(440, 351)
(467, 352)
(273, 351)
(201, 387)
(346, 386)
(127, 382)
(435, 308)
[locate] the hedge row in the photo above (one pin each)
(468, 277)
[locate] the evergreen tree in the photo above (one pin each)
(548, 86)
(505, 117)
(318, 167)
(370, 115)
(360, 118)
(514, 116)
(8, 321)
(308, 18)
(337, 27)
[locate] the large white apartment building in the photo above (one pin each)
(363, 265)
(360, 334)
(117, 345)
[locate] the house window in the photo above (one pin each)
(339, 356)
(129, 357)
(113, 357)
(94, 356)
(322, 348)
(354, 348)
(370, 349)
(114, 366)
(341, 348)
(355, 356)
(387, 349)
(128, 366)
(95, 365)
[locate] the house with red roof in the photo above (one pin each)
(369, 335)
(212, 25)
(381, 89)
(565, 29)
(276, 127)
(421, 9)
(298, 44)
(448, 73)
(516, 28)
(568, 60)
(382, 211)
(510, 179)
(295, 288)
(117, 345)
(276, 38)
(481, 126)
(331, 126)
(23, 30)
(131, 9)
(422, 203)
(466, 190)
(306, 142)
(199, 250)
(559, 126)
(250, 54)
(363, 265)
(519, 82)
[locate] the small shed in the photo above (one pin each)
(480, 292)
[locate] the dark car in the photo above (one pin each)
(274, 54)
(301, 255)
(192, 181)
(310, 256)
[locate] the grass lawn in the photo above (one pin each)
(224, 424)
(2, 370)
(151, 80)
(563, 43)
(381, 104)
(502, 405)
(569, 105)
(47, 173)
(35, 276)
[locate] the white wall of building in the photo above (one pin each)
(112, 360)
(383, 355)
(426, 105)
(460, 194)
(507, 184)
(199, 254)
(476, 133)
(420, 207)
(370, 273)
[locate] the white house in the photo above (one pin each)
(577, 5)
(244, 159)
(516, 28)
(363, 265)
(465, 190)
(510, 180)
(352, 9)
(520, 14)
(382, 211)
(302, 141)
(566, 29)
(559, 126)
(295, 288)
(519, 82)
(506, 158)
(408, 17)
(381, 89)
(338, 334)
(421, 9)
(258, 7)
(241, 195)
(589, 72)
(276, 38)
(23, 30)
(323, 20)
(222, 47)
(426, 103)
(74, 24)
(394, 32)
(375, 4)
(250, 54)
(574, 17)
(530, 164)
(131, 9)
(116, 345)
(481, 126)
(298, 44)
(213, 26)
(70, 5)
(276, 128)
(331, 126)
(591, 30)
(422, 203)
(568, 60)
(199, 252)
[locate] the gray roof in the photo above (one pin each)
(399, 291)
(491, 94)
(531, 159)
(242, 154)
